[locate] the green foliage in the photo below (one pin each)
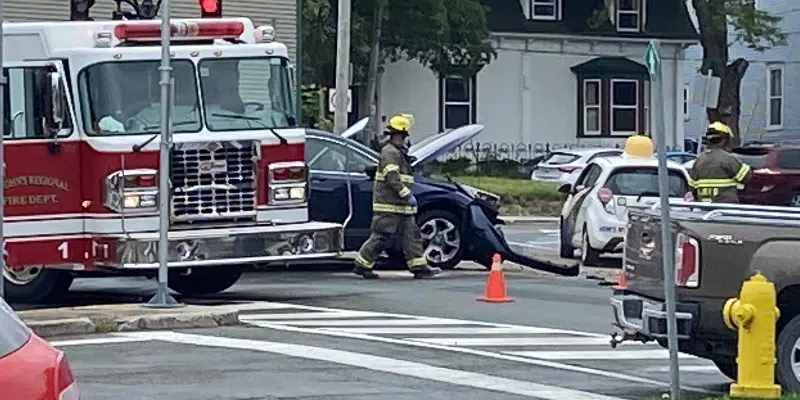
(311, 109)
(757, 29)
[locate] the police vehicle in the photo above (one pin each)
(594, 215)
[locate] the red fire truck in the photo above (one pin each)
(82, 124)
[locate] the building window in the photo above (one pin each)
(592, 108)
(646, 106)
(544, 9)
(457, 99)
(686, 102)
(775, 97)
(630, 15)
(624, 107)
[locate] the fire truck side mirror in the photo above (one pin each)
(57, 99)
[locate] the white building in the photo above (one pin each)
(558, 80)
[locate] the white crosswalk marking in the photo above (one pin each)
(531, 342)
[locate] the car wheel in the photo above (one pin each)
(207, 280)
(794, 201)
(787, 352)
(565, 250)
(589, 256)
(727, 368)
(441, 235)
(35, 283)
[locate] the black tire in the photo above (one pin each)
(453, 219)
(565, 249)
(204, 280)
(727, 368)
(589, 256)
(49, 285)
(784, 352)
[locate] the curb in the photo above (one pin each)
(527, 220)
(110, 323)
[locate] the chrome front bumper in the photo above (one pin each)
(227, 246)
(636, 314)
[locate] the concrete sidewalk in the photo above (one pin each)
(125, 317)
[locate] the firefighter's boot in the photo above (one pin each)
(366, 273)
(426, 272)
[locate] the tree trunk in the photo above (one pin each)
(372, 72)
(728, 108)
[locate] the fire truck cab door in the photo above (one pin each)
(42, 154)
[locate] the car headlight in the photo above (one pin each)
(131, 190)
(289, 193)
(480, 194)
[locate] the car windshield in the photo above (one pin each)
(13, 332)
(561, 158)
(261, 97)
(644, 180)
(125, 97)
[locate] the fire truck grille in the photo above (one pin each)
(213, 180)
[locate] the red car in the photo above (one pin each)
(776, 174)
(30, 368)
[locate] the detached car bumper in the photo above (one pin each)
(227, 246)
(634, 313)
(488, 240)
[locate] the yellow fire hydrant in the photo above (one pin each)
(754, 314)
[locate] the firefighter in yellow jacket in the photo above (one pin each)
(394, 206)
(716, 173)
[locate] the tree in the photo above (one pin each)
(758, 30)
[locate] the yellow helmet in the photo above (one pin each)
(719, 129)
(401, 123)
(638, 146)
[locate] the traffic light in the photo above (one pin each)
(211, 8)
(79, 10)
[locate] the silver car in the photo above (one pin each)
(564, 166)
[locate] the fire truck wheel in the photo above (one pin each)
(202, 281)
(43, 285)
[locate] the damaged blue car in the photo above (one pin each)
(458, 222)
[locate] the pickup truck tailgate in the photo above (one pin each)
(641, 259)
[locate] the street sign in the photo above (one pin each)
(332, 100)
(652, 58)
(705, 90)
(657, 110)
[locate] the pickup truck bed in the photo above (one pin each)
(717, 247)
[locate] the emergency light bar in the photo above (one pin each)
(194, 29)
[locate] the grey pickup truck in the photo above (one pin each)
(716, 247)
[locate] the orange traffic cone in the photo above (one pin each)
(495, 291)
(622, 281)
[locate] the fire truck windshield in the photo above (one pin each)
(247, 93)
(125, 98)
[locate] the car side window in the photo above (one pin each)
(329, 156)
(593, 175)
(789, 159)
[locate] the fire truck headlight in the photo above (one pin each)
(139, 201)
(297, 193)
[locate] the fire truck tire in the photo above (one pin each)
(48, 285)
(204, 281)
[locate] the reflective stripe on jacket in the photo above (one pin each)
(393, 182)
(716, 174)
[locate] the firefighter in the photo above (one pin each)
(716, 173)
(394, 206)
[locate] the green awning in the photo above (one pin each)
(611, 67)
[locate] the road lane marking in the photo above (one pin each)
(381, 364)
(533, 246)
(456, 330)
(515, 341)
(371, 322)
(550, 231)
(600, 355)
(102, 340)
(482, 353)
(311, 315)
(703, 369)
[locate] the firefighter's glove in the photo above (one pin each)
(412, 201)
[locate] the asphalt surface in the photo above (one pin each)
(397, 338)
(543, 238)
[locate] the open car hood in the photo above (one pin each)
(355, 128)
(429, 150)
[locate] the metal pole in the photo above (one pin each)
(3, 83)
(342, 67)
(667, 255)
(703, 116)
(162, 298)
(298, 55)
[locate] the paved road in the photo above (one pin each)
(543, 238)
(329, 335)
